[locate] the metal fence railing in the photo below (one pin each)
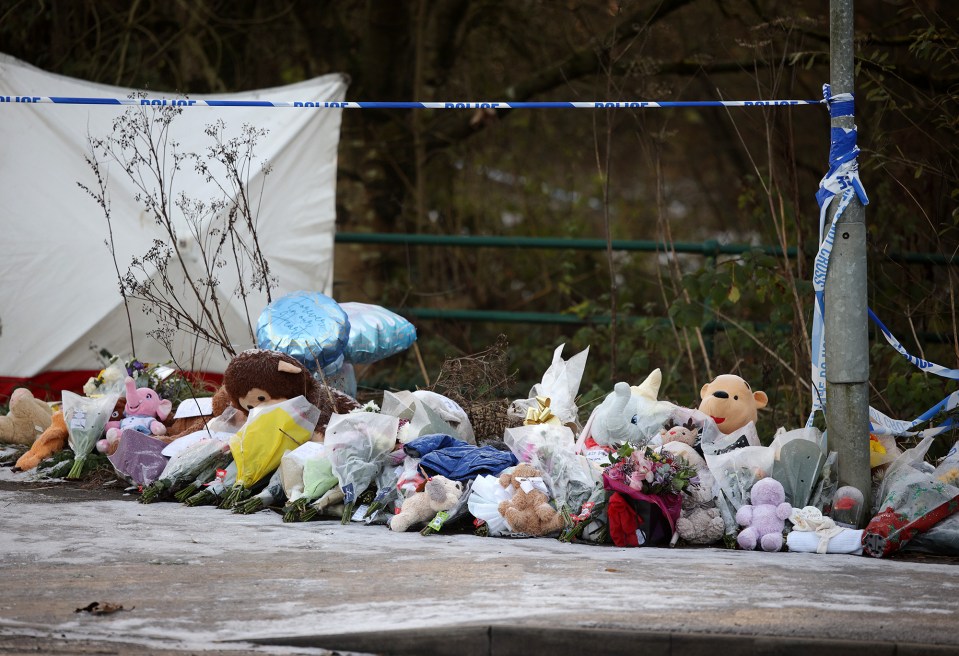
(708, 248)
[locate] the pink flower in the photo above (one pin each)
(642, 473)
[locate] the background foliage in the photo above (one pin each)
(736, 176)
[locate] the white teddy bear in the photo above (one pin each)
(439, 493)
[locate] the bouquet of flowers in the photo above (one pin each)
(269, 432)
(211, 490)
(644, 494)
(271, 495)
(649, 472)
(185, 468)
(358, 446)
(386, 492)
(205, 478)
(306, 475)
(85, 418)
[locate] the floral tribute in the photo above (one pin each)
(645, 495)
(646, 471)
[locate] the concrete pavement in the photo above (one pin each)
(206, 580)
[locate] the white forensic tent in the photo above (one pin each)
(59, 292)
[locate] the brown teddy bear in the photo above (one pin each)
(529, 511)
(258, 376)
(28, 418)
(731, 402)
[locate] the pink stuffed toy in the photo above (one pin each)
(143, 409)
(765, 518)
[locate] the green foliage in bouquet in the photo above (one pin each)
(61, 463)
(234, 496)
(207, 476)
(654, 473)
(295, 510)
(204, 497)
(576, 524)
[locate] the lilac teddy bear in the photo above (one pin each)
(765, 518)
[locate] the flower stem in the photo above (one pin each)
(347, 512)
(186, 492)
(249, 506)
(154, 491)
(201, 498)
(77, 469)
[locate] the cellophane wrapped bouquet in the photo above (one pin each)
(358, 446)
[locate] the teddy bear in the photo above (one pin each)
(765, 517)
(731, 402)
(258, 376)
(700, 521)
(529, 511)
(27, 419)
(680, 440)
(103, 445)
(439, 493)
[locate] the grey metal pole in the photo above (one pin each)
(845, 320)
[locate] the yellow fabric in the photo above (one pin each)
(877, 452)
(258, 446)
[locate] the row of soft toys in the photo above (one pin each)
(262, 378)
(630, 414)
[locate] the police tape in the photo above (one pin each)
(881, 424)
(842, 182)
(920, 363)
(191, 102)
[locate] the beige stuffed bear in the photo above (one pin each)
(27, 419)
(731, 402)
(700, 521)
(439, 493)
(529, 511)
(681, 441)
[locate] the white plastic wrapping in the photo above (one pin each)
(85, 418)
(560, 384)
(428, 413)
(357, 445)
(572, 478)
(291, 468)
(483, 503)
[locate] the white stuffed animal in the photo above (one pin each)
(439, 493)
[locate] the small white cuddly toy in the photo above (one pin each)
(439, 493)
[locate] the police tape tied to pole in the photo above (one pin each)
(842, 181)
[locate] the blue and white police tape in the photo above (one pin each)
(842, 180)
(924, 365)
(598, 104)
(881, 424)
(884, 425)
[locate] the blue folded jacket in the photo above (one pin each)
(447, 456)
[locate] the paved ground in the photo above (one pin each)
(203, 580)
